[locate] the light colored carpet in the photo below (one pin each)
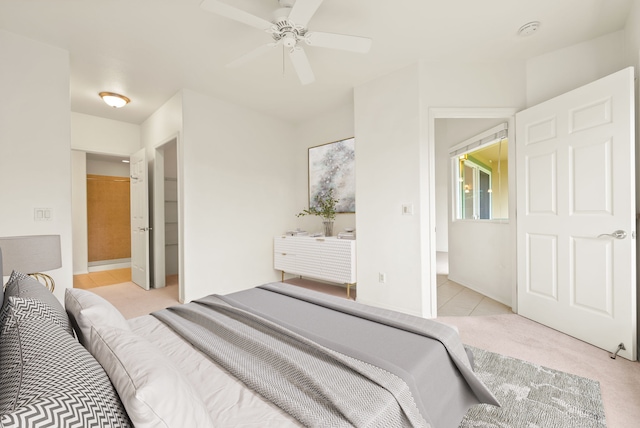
(133, 301)
(521, 338)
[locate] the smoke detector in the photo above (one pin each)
(529, 28)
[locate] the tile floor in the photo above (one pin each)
(455, 300)
(102, 278)
(110, 277)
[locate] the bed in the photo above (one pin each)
(270, 356)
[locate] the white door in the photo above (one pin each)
(139, 220)
(575, 165)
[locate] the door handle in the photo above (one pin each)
(618, 234)
(144, 229)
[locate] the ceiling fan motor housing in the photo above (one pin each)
(285, 30)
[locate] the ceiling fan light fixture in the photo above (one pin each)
(114, 100)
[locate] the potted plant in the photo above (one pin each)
(324, 207)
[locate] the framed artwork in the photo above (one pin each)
(333, 166)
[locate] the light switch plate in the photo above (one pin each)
(42, 214)
(407, 209)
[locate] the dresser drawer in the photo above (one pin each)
(284, 261)
(284, 244)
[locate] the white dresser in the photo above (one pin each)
(327, 258)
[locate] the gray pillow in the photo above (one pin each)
(47, 378)
(21, 285)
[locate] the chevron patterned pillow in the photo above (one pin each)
(21, 285)
(48, 379)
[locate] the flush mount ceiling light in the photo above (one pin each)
(529, 28)
(114, 100)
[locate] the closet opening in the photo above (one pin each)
(165, 214)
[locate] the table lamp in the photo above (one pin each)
(32, 255)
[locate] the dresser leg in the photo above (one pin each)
(282, 277)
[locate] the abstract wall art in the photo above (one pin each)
(332, 166)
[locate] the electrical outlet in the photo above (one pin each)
(382, 278)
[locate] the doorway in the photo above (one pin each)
(108, 207)
(100, 206)
(165, 215)
(473, 254)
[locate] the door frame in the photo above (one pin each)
(434, 113)
(157, 212)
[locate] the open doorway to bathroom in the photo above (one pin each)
(101, 219)
(473, 230)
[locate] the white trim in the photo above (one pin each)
(111, 266)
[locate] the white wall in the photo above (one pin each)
(236, 176)
(632, 36)
(99, 135)
(35, 159)
(565, 69)
(79, 210)
(333, 126)
(388, 143)
(112, 168)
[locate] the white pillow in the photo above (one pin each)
(153, 390)
(87, 309)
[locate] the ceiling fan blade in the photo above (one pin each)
(252, 55)
(230, 12)
(303, 10)
(338, 41)
(301, 65)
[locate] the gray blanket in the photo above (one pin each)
(326, 363)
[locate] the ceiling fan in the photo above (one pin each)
(289, 29)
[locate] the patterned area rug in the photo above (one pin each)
(533, 396)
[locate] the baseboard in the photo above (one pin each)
(112, 266)
(389, 307)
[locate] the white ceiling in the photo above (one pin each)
(150, 49)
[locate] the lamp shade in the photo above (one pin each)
(31, 254)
